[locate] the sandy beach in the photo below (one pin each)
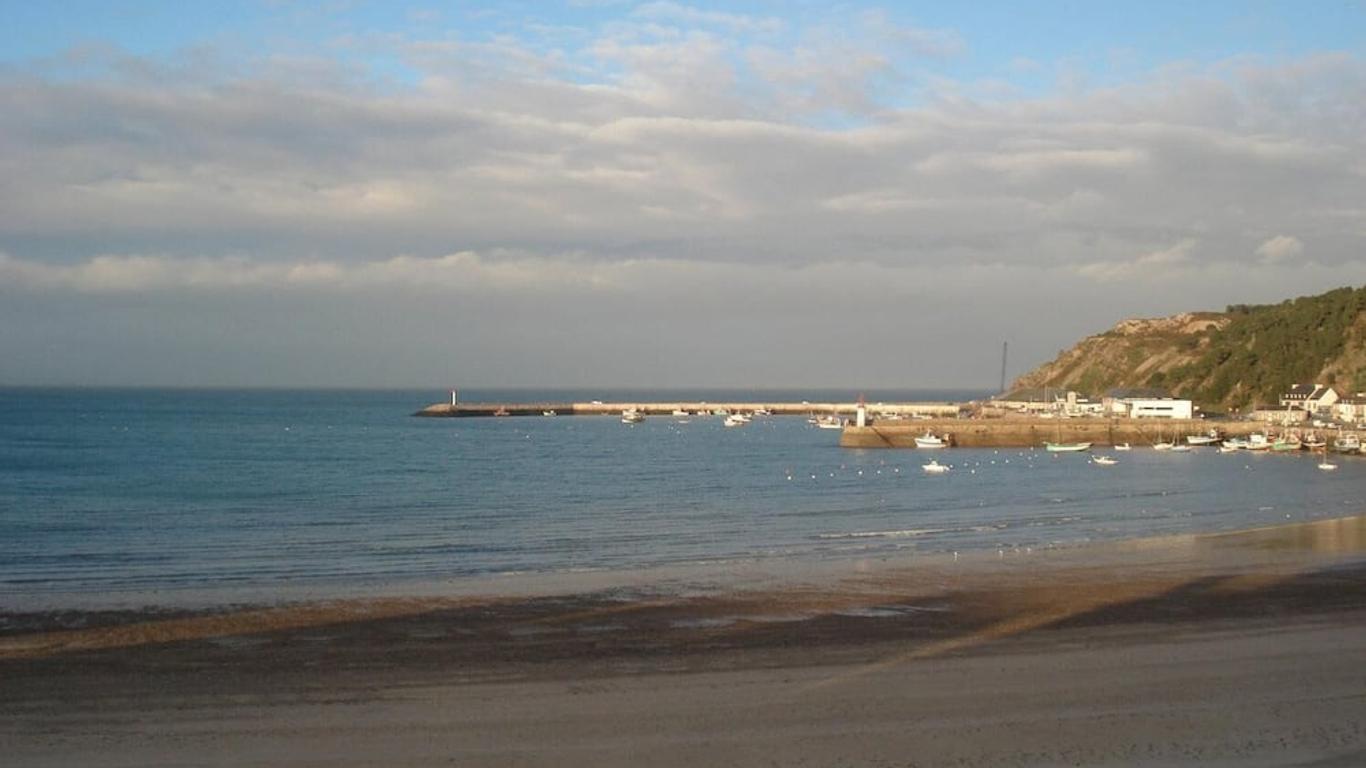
(1232, 649)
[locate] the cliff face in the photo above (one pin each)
(1244, 356)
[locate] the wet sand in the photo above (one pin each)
(1237, 649)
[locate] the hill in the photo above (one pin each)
(1244, 356)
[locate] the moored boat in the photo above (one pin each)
(1348, 443)
(632, 416)
(1105, 461)
(830, 422)
(930, 440)
(935, 468)
(1209, 438)
(1066, 447)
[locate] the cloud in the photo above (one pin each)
(1280, 248)
(1155, 266)
(669, 166)
(686, 14)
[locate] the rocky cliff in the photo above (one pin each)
(1244, 356)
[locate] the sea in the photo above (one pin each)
(137, 497)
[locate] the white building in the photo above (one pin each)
(1351, 408)
(1309, 397)
(1158, 408)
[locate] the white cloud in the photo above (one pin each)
(1280, 248)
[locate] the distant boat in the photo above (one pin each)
(1257, 442)
(930, 440)
(1123, 447)
(735, 420)
(632, 416)
(1327, 467)
(679, 412)
(1066, 447)
(1162, 446)
(830, 422)
(1105, 461)
(1314, 442)
(1180, 448)
(550, 412)
(1233, 444)
(934, 467)
(1347, 444)
(502, 411)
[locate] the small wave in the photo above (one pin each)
(907, 533)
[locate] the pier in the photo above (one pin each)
(923, 410)
(1024, 432)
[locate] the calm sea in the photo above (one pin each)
(111, 497)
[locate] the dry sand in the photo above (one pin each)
(1245, 649)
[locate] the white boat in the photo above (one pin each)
(735, 421)
(830, 422)
(930, 440)
(762, 412)
(1314, 442)
(1207, 439)
(1123, 447)
(1105, 461)
(1257, 442)
(548, 413)
(1180, 449)
(1347, 444)
(1327, 467)
(1162, 446)
(1066, 447)
(1233, 444)
(632, 416)
(679, 412)
(934, 467)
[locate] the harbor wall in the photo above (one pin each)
(1019, 433)
(941, 410)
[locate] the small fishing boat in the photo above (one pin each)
(1123, 447)
(1348, 443)
(1290, 443)
(679, 412)
(1258, 442)
(1314, 443)
(549, 412)
(1162, 446)
(735, 420)
(934, 467)
(1105, 461)
(1327, 467)
(930, 440)
(1066, 447)
(632, 416)
(1209, 438)
(1177, 448)
(830, 422)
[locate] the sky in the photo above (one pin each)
(656, 194)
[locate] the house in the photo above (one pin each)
(1309, 397)
(1351, 408)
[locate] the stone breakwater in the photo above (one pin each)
(934, 410)
(1017, 433)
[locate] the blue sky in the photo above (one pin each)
(1025, 44)
(656, 193)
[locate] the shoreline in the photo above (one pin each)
(1243, 648)
(803, 589)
